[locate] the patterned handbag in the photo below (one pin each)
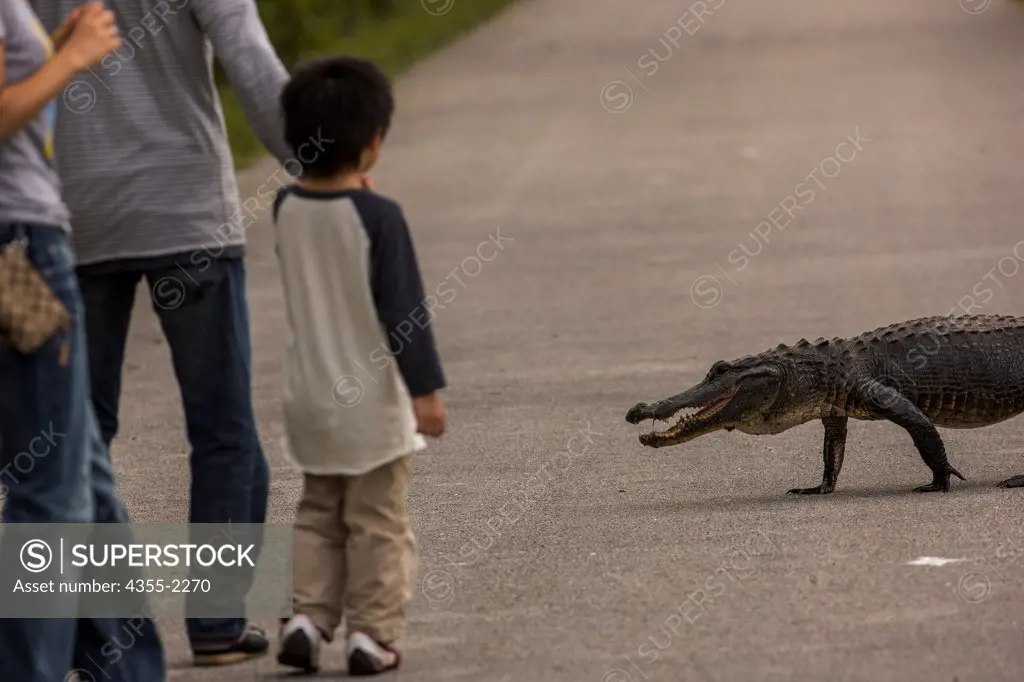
(30, 313)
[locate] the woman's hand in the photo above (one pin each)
(94, 36)
(61, 35)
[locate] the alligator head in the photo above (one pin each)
(733, 395)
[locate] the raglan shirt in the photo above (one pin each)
(360, 343)
(30, 188)
(142, 151)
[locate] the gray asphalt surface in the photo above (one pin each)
(554, 547)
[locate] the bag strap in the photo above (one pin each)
(20, 240)
(20, 236)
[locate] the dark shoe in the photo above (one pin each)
(369, 657)
(300, 645)
(251, 644)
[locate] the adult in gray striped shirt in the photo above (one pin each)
(150, 185)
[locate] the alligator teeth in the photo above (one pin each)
(688, 413)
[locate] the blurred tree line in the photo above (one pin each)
(301, 28)
(393, 33)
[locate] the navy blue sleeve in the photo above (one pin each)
(399, 297)
(279, 199)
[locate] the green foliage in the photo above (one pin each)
(393, 33)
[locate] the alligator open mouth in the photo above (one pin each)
(690, 421)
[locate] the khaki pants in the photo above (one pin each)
(354, 552)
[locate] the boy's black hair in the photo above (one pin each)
(342, 102)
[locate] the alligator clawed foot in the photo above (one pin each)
(817, 490)
(940, 483)
(1015, 482)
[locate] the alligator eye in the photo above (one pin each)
(718, 369)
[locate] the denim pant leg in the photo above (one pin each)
(50, 453)
(108, 299)
(204, 315)
(115, 648)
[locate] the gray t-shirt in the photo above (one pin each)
(143, 154)
(29, 185)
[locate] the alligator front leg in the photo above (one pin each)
(887, 403)
(1015, 482)
(832, 452)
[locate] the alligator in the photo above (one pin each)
(954, 372)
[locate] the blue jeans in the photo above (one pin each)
(55, 469)
(203, 312)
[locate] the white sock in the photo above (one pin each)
(301, 622)
(363, 642)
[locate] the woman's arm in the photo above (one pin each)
(94, 36)
(21, 102)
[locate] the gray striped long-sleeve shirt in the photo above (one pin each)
(140, 142)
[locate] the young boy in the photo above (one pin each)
(361, 370)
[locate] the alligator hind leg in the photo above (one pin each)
(1015, 482)
(889, 404)
(832, 453)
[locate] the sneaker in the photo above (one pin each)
(300, 644)
(251, 644)
(369, 657)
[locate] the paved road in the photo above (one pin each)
(787, 169)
